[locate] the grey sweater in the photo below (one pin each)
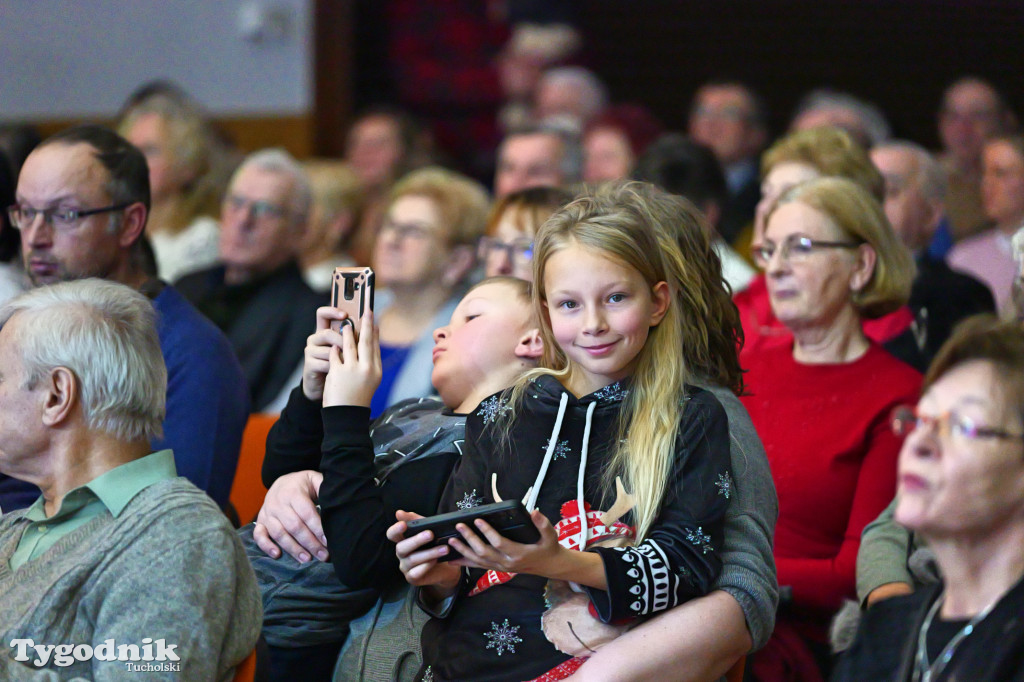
(748, 565)
(168, 567)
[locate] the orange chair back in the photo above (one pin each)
(246, 670)
(247, 492)
(735, 673)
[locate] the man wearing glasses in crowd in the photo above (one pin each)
(82, 203)
(257, 295)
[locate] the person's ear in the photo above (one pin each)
(936, 209)
(661, 295)
(460, 261)
(62, 393)
(531, 345)
(863, 268)
(133, 222)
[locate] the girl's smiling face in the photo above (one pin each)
(601, 312)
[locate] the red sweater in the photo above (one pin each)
(833, 456)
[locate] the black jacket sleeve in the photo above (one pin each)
(679, 559)
(356, 511)
(293, 443)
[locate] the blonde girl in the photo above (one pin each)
(611, 444)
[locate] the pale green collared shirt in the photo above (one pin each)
(111, 492)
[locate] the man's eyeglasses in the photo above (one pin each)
(906, 419)
(796, 248)
(519, 251)
(259, 209)
(60, 218)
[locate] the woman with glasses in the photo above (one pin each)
(796, 158)
(507, 245)
(821, 400)
(961, 491)
(422, 258)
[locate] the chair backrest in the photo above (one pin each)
(735, 673)
(246, 670)
(247, 492)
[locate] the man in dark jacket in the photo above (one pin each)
(257, 295)
(940, 297)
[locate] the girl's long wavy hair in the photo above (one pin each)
(664, 238)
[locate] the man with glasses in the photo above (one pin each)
(82, 203)
(257, 295)
(730, 118)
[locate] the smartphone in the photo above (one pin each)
(352, 292)
(509, 518)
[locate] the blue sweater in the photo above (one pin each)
(207, 396)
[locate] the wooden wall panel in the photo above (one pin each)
(294, 133)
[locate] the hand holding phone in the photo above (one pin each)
(355, 367)
(419, 565)
(509, 518)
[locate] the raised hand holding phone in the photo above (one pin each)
(355, 367)
(316, 358)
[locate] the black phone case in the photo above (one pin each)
(508, 518)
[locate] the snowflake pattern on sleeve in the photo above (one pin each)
(724, 484)
(503, 637)
(701, 539)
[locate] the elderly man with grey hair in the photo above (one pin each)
(824, 107)
(915, 188)
(569, 96)
(118, 556)
(257, 295)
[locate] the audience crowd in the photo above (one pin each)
(820, 338)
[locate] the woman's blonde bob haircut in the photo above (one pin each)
(830, 151)
(860, 217)
(461, 201)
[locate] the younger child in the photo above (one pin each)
(616, 301)
(369, 469)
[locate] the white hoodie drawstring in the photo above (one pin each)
(531, 502)
(534, 491)
(582, 474)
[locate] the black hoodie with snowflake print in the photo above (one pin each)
(495, 633)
